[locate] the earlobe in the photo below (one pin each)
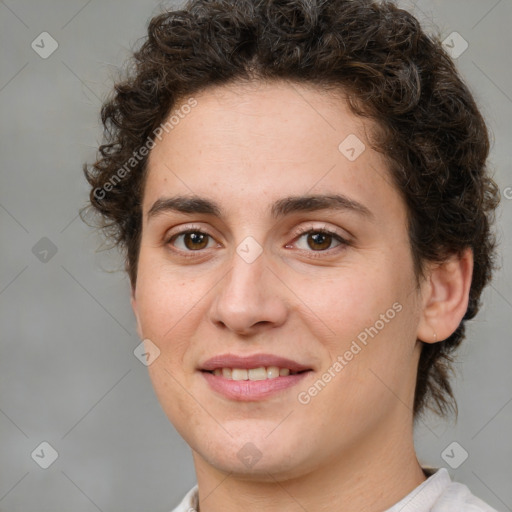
(445, 297)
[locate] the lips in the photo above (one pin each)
(251, 362)
(223, 375)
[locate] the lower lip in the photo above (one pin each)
(251, 390)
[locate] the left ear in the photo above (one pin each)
(445, 297)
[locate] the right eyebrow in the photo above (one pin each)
(184, 204)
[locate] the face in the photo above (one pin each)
(253, 278)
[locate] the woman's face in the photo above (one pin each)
(325, 286)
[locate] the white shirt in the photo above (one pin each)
(436, 494)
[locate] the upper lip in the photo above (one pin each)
(252, 361)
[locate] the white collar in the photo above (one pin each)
(418, 500)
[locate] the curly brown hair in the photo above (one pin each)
(429, 127)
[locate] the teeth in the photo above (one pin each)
(257, 373)
(272, 372)
(261, 373)
(239, 374)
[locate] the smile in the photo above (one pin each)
(252, 377)
(261, 373)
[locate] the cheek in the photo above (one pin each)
(167, 307)
(162, 296)
(347, 301)
(367, 318)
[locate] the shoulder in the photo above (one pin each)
(457, 496)
(440, 494)
(189, 502)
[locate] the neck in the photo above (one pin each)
(371, 478)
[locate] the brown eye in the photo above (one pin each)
(191, 240)
(195, 241)
(319, 240)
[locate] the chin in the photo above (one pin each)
(277, 466)
(256, 457)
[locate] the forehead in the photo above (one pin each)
(256, 116)
(258, 142)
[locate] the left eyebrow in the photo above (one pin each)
(313, 203)
(281, 208)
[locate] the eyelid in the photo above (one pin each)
(185, 229)
(193, 228)
(325, 229)
(343, 242)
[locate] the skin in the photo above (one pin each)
(351, 447)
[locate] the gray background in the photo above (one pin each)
(68, 375)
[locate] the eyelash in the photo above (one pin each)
(319, 254)
(300, 233)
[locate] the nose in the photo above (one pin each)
(250, 298)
